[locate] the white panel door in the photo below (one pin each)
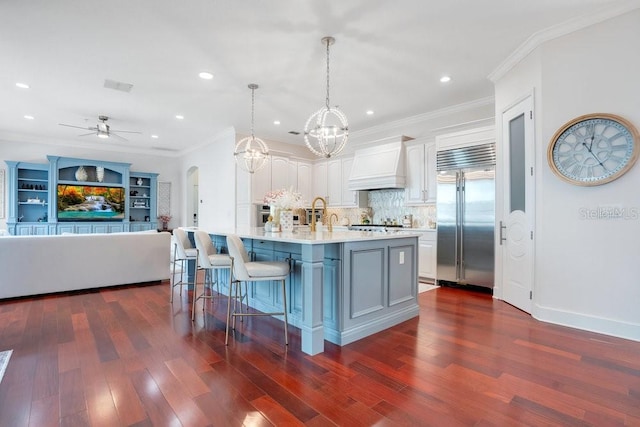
(516, 228)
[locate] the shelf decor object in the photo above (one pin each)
(81, 174)
(100, 173)
(251, 153)
(326, 131)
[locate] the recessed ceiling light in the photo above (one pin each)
(205, 75)
(445, 79)
(276, 122)
(179, 117)
(369, 112)
(154, 136)
(22, 85)
(28, 117)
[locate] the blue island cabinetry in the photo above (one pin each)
(342, 286)
(69, 195)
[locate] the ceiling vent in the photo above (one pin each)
(121, 86)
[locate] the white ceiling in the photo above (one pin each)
(388, 57)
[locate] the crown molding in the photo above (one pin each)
(412, 120)
(606, 12)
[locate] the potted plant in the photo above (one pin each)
(164, 218)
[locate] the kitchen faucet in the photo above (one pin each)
(313, 212)
(330, 223)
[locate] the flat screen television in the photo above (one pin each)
(87, 203)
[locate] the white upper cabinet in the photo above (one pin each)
(320, 179)
(334, 182)
(261, 183)
(280, 173)
(331, 181)
(305, 180)
(421, 174)
(349, 197)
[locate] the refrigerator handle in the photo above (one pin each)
(461, 205)
(502, 238)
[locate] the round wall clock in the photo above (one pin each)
(593, 149)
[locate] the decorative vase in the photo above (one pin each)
(99, 173)
(286, 220)
(275, 214)
(81, 174)
(139, 181)
(165, 225)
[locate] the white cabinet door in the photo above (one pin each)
(293, 175)
(414, 193)
(280, 173)
(261, 183)
(421, 174)
(427, 260)
(349, 197)
(334, 182)
(320, 179)
(305, 183)
(430, 179)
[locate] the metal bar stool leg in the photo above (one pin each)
(173, 275)
(284, 304)
(226, 335)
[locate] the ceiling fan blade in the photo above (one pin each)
(86, 134)
(111, 134)
(124, 131)
(77, 127)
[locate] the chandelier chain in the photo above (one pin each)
(327, 99)
(253, 91)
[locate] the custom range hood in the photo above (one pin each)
(379, 167)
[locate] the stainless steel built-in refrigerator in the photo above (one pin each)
(466, 215)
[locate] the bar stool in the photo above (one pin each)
(183, 252)
(244, 270)
(210, 261)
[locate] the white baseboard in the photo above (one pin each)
(587, 322)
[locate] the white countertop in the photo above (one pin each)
(316, 238)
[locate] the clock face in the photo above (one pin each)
(593, 149)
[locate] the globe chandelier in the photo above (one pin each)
(326, 131)
(251, 153)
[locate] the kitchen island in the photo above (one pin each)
(343, 285)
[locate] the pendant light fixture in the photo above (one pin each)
(251, 153)
(326, 131)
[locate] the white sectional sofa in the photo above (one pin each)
(31, 265)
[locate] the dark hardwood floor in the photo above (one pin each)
(125, 356)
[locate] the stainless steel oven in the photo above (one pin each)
(263, 212)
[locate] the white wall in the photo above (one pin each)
(587, 272)
(166, 167)
(216, 182)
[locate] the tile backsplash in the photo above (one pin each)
(389, 204)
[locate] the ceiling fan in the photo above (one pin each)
(102, 129)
